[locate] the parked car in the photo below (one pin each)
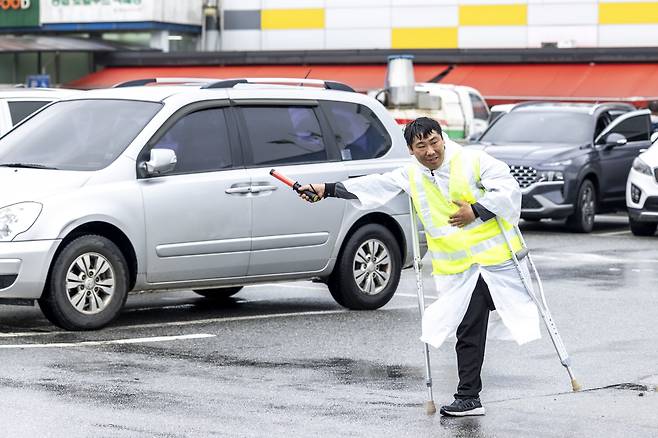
(498, 110)
(642, 193)
(18, 103)
(168, 187)
(571, 160)
(462, 111)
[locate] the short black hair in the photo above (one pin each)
(421, 128)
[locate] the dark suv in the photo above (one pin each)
(570, 159)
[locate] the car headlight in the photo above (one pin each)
(550, 175)
(641, 166)
(17, 218)
(559, 163)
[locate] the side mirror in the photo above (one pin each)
(615, 139)
(162, 161)
(654, 137)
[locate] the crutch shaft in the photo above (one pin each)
(542, 306)
(430, 408)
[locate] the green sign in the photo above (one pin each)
(19, 13)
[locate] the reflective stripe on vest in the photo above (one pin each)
(455, 249)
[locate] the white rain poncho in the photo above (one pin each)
(502, 197)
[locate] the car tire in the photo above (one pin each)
(367, 271)
(582, 220)
(87, 285)
(219, 293)
(642, 228)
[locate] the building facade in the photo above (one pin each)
(437, 24)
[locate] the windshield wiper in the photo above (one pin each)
(28, 166)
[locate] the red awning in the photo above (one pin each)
(498, 83)
(360, 77)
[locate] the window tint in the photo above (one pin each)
(77, 134)
(480, 110)
(359, 133)
(541, 127)
(284, 134)
(603, 121)
(200, 140)
(22, 108)
(635, 128)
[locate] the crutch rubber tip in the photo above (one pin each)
(575, 385)
(430, 409)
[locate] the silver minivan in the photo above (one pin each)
(168, 187)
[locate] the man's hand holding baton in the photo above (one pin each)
(308, 192)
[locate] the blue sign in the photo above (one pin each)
(38, 81)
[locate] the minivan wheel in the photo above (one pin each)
(367, 271)
(87, 286)
(219, 293)
(582, 220)
(642, 228)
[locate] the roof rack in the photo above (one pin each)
(141, 82)
(230, 83)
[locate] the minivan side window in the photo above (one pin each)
(359, 133)
(635, 128)
(480, 110)
(284, 134)
(200, 140)
(20, 109)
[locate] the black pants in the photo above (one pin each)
(471, 339)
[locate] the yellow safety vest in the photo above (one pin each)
(455, 249)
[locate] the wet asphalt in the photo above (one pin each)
(285, 360)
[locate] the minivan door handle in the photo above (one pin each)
(239, 189)
(264, 188)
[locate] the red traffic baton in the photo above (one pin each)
(294, 185)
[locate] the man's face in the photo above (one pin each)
(429, 151)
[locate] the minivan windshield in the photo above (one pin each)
(76, 135)
(565, 127)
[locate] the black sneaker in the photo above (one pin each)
(463, 408)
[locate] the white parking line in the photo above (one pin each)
(590, 257)
(427, 296)
(202, 321)
(291, 286)
(613, 233)
(114, 341)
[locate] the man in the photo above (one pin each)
(458, 193)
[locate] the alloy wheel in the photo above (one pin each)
(90, 283)
(372, 267)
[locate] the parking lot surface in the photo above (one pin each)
(285, 360)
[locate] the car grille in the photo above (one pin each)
(525, 175)
(651, 204)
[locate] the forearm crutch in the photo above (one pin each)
(540, 302)
(418, 267)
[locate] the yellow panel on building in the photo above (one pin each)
(493, 15)
(424, 38)
(292, 19)
(628, 13)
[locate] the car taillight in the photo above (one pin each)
(403, 121)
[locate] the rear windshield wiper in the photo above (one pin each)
(28, 166)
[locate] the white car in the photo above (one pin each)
(642, 193)
(18, 103)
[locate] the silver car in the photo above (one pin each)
(168, 187)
